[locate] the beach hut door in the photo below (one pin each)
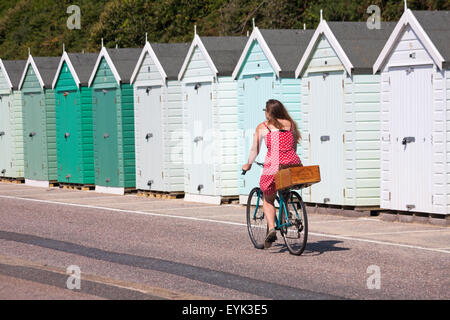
(258, 89)
(326, 140)
(5, 135)
(200, 138)
(411, 127)
(68, 131)
(105, 118)
(34, 136)
(150, 135)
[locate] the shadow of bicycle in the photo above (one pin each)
(313, 248)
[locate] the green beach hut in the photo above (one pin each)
(11, 120)
(113, 120)
(74, 132)
(39, 129)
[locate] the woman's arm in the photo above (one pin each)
(256, 146)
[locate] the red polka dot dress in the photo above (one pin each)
(280, 150)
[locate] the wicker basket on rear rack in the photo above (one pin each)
(296, 177)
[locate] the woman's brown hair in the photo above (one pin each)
(277, 110)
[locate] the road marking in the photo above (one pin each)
(401, 232)
(186, 208)
(227, 223)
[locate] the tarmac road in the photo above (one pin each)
(128, 247)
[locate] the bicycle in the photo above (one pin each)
(292, 220)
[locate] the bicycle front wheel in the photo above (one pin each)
(295, 221)
(256, 220)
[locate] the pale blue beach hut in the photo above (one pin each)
(266, 70)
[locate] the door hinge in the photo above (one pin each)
(118, 172)
(186, 97)
(343, 138)
(213, 178)
(309, 137)
(344, 192)
(389, 196)
(309, 86)
(243, 86)
(342, 83)
(138, 99)
(431, 79)
(432, 199)
(162, 174)
(160, 98)
(244, 183)
(389, 80)
(273, 85)
(210, 95)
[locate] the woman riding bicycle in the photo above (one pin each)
(282, 136)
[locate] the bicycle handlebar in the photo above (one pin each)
(261, 164)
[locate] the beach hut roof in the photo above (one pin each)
(222, 53)
(168, 57)
(122, 62)
(80, 65)
(432, 29)
(355, 44)
(282, 47)
(13, 70)
(44, 67)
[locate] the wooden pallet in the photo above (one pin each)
(160, 194)
(351, 211)
(75, 186)
(229, 200)
(12, 180)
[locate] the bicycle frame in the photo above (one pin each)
(282, 206)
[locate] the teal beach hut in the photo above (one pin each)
(266, 70)
(39, 126)
(210, 118)
(158, 110)
(341, 112)
(113, 120)
(74, 131)
(11, 120)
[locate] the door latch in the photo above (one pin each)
(407, 140)
(66, 135)
(106, 135)
(148, 136)
(410, 206)
(324, 138)
(197, 139)
(2, 133)
(149, 183)
(32, 134)
(200, 187)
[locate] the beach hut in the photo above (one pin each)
(159, 117)
(39, 126)
(210, 118)
(74, 132)
(340, 122)
(113, 120)
(266, 70)
(415, 104)
(11, 120)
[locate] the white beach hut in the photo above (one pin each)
(415, 111)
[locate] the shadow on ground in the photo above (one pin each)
(314, 248)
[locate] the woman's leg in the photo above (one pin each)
(269, 209)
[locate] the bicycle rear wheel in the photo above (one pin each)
(256, 220)
(295, 233)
